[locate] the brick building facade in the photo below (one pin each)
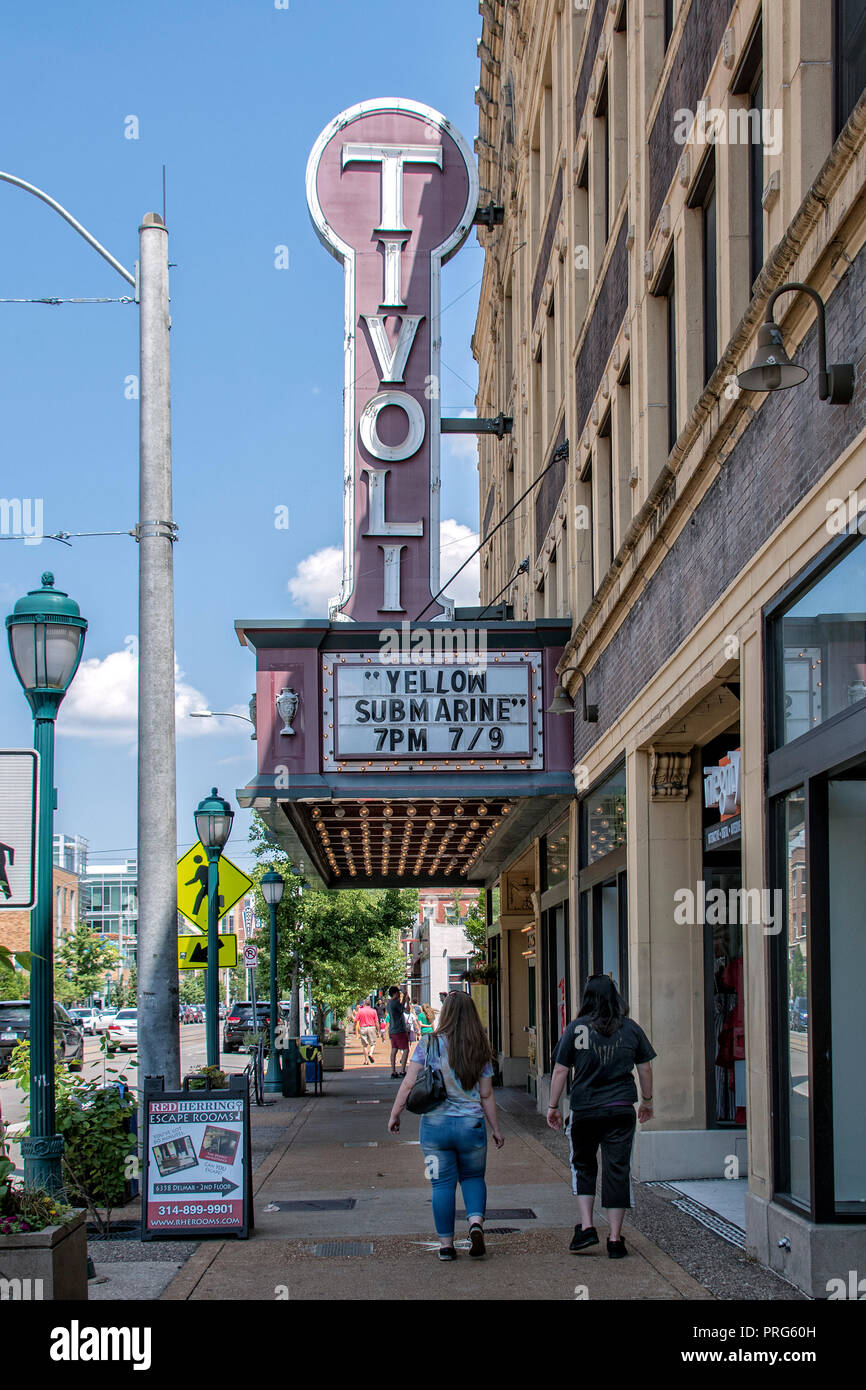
(664, 166)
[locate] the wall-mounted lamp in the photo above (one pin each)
(772, 370)
(562, 702)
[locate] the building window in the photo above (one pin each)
(821, 649)
(603, 921)
(556, 855)
(703, 199)
(666, 289)
(849, 58)
(817, 690)
(796, 1054)
(456, 968)
(749, 82)
(668, 21)
(602, 163)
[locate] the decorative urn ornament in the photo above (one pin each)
(287, 707)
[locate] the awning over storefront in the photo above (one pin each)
(399, 757)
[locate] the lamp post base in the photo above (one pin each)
(42, 1164)
(274, 1079)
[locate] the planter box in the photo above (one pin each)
(334, 1058)
(57, 1256)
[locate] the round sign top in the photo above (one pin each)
(392, 160)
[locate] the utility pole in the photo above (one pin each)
(158, 1032)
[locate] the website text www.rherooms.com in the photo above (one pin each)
(763, 1355)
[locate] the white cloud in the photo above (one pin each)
(462, 448)
(456, 543)
(102, 703)
(318, 577)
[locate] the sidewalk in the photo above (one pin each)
(361, 1185)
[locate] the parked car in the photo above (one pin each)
(123, 1030)
(239, 1022)
(15, 1027)
(106, 1016)
(89, 1019)
(799, 1018)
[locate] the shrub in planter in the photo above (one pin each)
(198, 1080)
(96, 1124)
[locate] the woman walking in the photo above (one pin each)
(454, 1136)
(603, 1045)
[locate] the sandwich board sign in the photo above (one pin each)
(19, 821)
(197, 1169)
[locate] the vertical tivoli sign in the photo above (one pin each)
(392, 190)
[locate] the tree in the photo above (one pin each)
(475, 926)
(14, 977)
(88, 958)
(345, 942)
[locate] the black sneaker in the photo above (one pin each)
(616, 1249)
(447, 1252)
(583, 1239)
(477, 1248)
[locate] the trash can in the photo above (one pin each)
(294, 1082)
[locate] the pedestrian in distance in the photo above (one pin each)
(454, 1134)
(603, 1046)
(397, 1031)
(365, 1018)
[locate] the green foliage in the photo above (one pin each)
(14, 983)
(475, 926)
(88, 959)
(94, 1121)
(796, 974)
(346, 941)
(198, 1079)
(191, 986)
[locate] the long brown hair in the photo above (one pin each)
(469, 1048)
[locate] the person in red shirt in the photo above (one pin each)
(368, 1024)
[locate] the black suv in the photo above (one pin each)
(15, 1026)
(239, 1022)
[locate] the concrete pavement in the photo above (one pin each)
(336, 1148)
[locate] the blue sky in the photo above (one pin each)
(229, 95)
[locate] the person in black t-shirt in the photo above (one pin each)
(602, 1046)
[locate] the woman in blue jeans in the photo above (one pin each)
(454, 1135)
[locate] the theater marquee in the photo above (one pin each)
(444, 715)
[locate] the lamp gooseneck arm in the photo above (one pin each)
(823, 386)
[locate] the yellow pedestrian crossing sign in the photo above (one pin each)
(192, 952)
(192, 885)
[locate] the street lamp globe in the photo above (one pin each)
(213, 820)
(46, 641)
(272, 887)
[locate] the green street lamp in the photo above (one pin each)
(46, 640)
(213, 823)
(272, 892)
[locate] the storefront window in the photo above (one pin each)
(605, 828)
(823, 648)
(556, 857)
(726, 1023)
(798, 1079)
(846, 807)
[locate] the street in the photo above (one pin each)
(99, 1067)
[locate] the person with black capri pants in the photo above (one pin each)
(602, 1046)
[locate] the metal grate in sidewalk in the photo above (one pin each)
(344, 1247)
(708, 1218)
(318, 1204)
